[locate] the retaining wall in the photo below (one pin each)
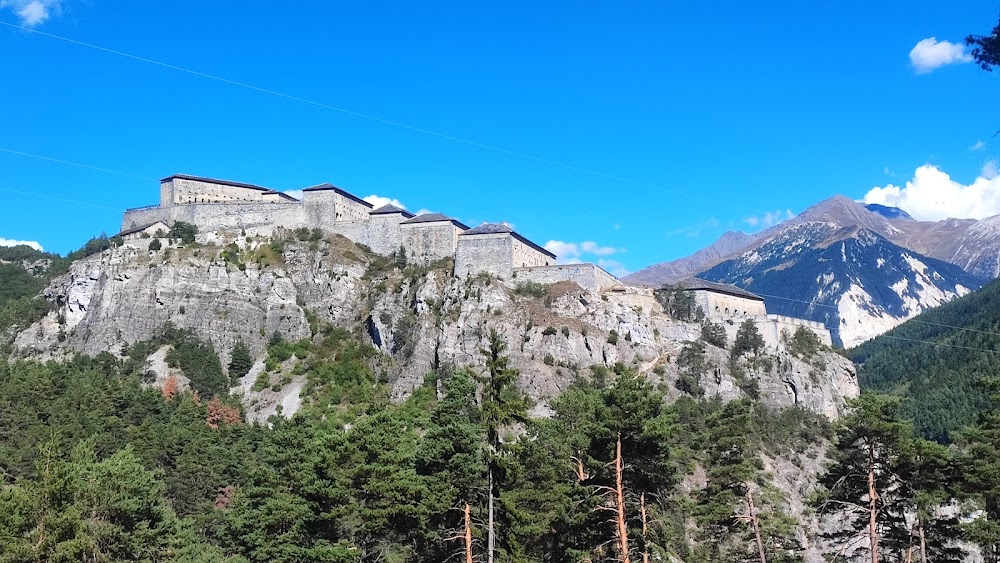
(588, 276)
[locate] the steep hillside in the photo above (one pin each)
(851, 279)
(937, 361)
(418, 317)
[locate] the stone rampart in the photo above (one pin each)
(427, 242)
(778, 324)
(220, 216)
(722, 307)
(588, 276)
(489, 253)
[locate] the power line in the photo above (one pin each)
(938, 344)
(353, 113)
(77, 164)
(53, 198)
(911, 320)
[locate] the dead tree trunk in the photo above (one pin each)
(872, 504)
(490, 532)
(645, 528)
(622, 528)
(468, 534)
(923, 541)
(752, 510)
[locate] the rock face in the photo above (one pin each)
(418, 318)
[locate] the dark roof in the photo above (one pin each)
(327, 186)
(127, 232)
(390, 209)
(694, 284)
(500, 228)
(434, 218)
(282, 194)
(215, 181)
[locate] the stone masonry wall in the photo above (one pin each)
(384, 236)
(491, 253)
(218, 216)
(588, 276)
(184, 190)
(427, 242)
(526, 256)
(774, 325)
(721, 306)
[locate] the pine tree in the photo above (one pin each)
(451, 461)
(241, 361)
(501, 405)
(980, 459)
(864, 483)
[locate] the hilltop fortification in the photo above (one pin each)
(492, 248)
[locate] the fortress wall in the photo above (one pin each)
(133, 218)
(587, 276)
(350, 210)
(356, 231)
(721, 306)
(184, 191)
(320, 208)
(491, 253)
(384, 236)
(779, 323)
(427, 242)
(218, 216)
(526, 256)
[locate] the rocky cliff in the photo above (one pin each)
(418, 317)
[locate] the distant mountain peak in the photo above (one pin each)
(888, 212)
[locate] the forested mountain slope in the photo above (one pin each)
(937, 360)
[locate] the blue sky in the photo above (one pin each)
(670, 122)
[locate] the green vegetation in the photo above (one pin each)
(679, 304)
(95, 462)
(937, 369)
(184, 232)
(714, 334)
(530, 289)
(748, 340)
(804, 343)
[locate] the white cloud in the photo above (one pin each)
(932, 195)
(576, 252)
(768, 218)
(33, 12)
(379, 201)
(31, 243)
(297, 194)
(422, 211)
(989, 170)
(980, 145)
(929, 54)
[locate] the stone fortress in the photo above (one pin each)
(495, 248)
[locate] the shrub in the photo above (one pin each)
(613, 337)
(302, 233)
(565, 331)
(549, 331)
(241, 361)
(748, 339)
(184, 231)
(155, 244)
(549, 360)
(530, 289)
(804, 343)
(714, 334)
